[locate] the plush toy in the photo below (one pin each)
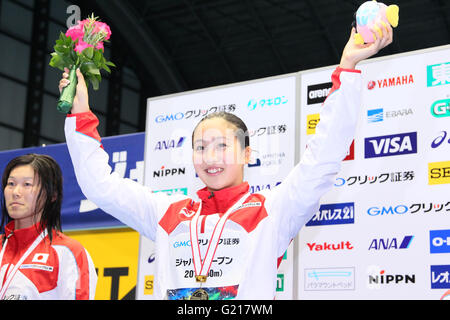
(367, 16)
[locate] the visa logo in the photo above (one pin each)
(391, 145)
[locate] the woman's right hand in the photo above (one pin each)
(81, 101)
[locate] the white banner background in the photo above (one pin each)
(385, 253)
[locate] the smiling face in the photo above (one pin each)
(21, 191)
(218, 156)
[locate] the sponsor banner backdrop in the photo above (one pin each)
(383, 232)
(267, 107)
(126, 158)
(115, 256)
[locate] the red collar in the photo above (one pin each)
(25, 236)
(219, 201)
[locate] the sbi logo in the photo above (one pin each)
(178, 244)
(171, 117)
(380, 211)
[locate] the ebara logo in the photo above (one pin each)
(375, 115)
(391, 145)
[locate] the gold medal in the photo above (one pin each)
(200, 294)
(201, 278)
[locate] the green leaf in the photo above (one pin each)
(91, 73)
(109, 63)
(106, 68)
(89, 53)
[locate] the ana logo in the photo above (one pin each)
(390, 243)
(337, 213)
(439, 241)
(164, 172)
(391, 145)
(440, 277)
(438, 74)
(391, 82)
(170, 117)
(260, 187)
(439, 172)
(318, 93)
(385, 279)
(170, 144)
(312, 121)
(40, 258)
(343, 245)
(441, 108)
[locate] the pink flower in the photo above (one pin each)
(75, 32)
(81, 45)
(100, 46)
(101, 27)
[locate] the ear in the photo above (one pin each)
(248, 154)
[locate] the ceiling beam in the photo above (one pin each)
(144, 45)
(251, 8)
(213, 42)
(325, 31)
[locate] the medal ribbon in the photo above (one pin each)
(199, 265)
(12, 273)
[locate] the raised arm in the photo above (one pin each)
(297, 198)
(125, 199)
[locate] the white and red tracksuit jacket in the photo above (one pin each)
(60, 270)
(245, 263)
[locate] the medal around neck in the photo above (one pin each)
(200, 294)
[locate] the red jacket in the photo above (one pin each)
(61, 269)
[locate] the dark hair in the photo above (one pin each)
(50, 195)
(241, 132)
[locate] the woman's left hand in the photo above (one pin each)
(354, 53)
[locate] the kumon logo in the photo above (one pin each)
(391, 82)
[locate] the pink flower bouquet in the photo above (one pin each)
(81, 47)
